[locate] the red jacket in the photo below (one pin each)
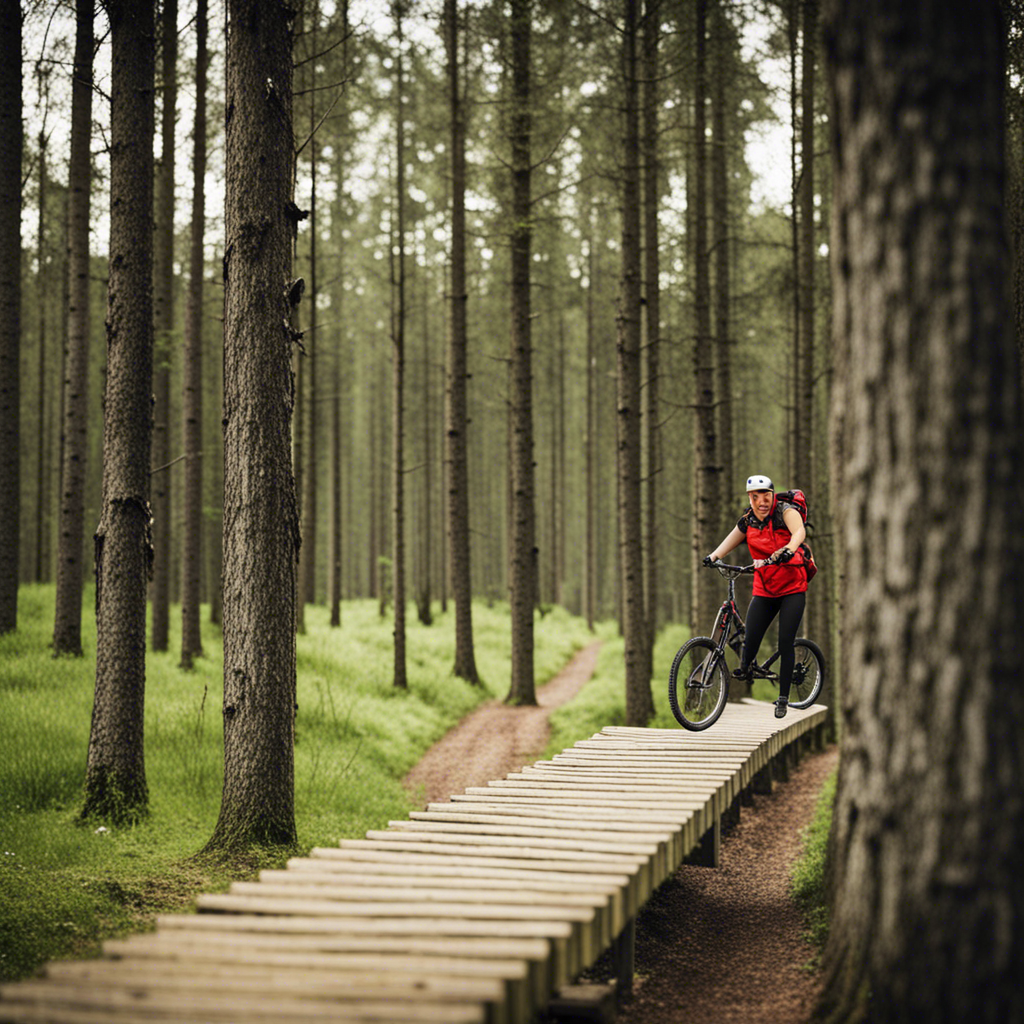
(764, 538)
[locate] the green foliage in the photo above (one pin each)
(809, 874)
(65, 885)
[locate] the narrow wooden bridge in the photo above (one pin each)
(478, 909)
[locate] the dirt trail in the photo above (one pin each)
(496, 738)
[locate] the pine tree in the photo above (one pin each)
(261, 528)
(115, 780)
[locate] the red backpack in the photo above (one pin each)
(798, 500)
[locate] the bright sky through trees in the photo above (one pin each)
(49, 37)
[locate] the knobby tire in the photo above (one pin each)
(699, 676)
(808, 673)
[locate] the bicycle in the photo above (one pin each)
(701, 663)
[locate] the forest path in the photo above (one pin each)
(498, 738)
(736, 928)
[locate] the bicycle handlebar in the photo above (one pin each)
(731, 570)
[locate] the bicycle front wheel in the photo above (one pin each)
(808, 673)
(698, 685)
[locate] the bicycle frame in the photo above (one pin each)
(730, 628)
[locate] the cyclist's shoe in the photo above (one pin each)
(741, 673)
(781, 707)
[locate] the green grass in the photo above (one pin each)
(808, 882)
(65, 886)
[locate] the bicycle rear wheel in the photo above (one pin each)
(698, 685)
(808, 673)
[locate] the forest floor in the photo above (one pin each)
(735, 931)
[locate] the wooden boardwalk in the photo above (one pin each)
(477, 909)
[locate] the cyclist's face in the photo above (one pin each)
(760, 502)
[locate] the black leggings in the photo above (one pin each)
(790, 610)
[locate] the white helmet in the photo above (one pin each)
(757, 482)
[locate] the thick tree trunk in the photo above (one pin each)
(261, 529)
(10, 313)
(928, 829)
(522, 531)
(706, 496)
(192, 396)
(163, 324)
(456, 416)
(115, 780)
(639, 702)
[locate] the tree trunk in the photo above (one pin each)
(163, 325)
(115, 780)
(456, 417)
(261, 528)
(192, 396)
(44, 297)
(67, 628)
(424, 591)
(639, 702)
(652, 311)
(10, 313)
(721, 48)
(928, 828)
(590, 441)
(706, 497)
(522, 532)
(334, 582)
(398, 368)
(804, 369)
(307, 555)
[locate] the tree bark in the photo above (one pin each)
(192, 392)
(706, 496)
(307, 555)
(803, 468)
(41, 568)
(339, 380)
(11, 132)
(261, 528)
(522, 531)
(652, 311)
(163, 324)
(639, 702)
(456, 416)
(928, 828)
(115, 780)
(721, 48)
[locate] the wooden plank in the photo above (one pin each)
(535, 838)
(507, 958)
(435, 859)
(266, 979)
(40, 1001)
(563, 950)
(538, 797)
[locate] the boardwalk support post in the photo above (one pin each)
(707, 852)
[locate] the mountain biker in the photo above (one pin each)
(773, 532)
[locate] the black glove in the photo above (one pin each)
(784, 555)
(708, 561)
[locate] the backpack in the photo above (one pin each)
(798, 500)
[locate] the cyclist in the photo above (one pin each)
(773, 532)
